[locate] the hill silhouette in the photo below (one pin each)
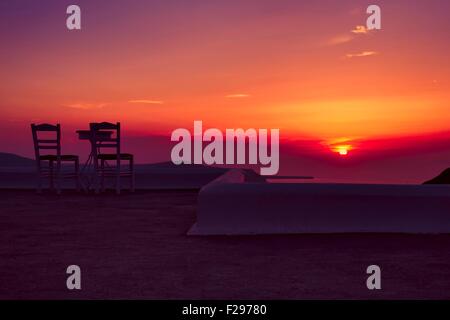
(169, 167)
(13, 160)
(19, 172)
(442, 178)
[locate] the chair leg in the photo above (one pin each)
(39, 179)
(77, 175)
(102, 168)
(58, 177)
(118, 177)
(39, 183)
(132, 181)
(51, 175)
(96, 172)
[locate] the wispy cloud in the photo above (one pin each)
(360, 30)
(237, 95)
(145, 101)
(86, 106)
(361, 54)
(347, 37)
(339, 39)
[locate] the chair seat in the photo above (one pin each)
(64, 157)
(113, 156)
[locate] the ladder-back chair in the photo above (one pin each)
(114, 167)
(51, 143)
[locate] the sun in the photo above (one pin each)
(342, 150)
(341, 146)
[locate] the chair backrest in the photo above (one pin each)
(105, 135)
(51, 141)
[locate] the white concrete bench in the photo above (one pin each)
(232, 205)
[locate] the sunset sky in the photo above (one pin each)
(305, 67)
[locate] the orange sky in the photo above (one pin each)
(158, 65)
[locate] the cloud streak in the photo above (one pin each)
(360, 30)
(146, 101)
(339, 39)
(237, 95)
(86, 106)
(361, 54)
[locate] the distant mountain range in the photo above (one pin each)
(13, 160)
(19, 172)
(10, 160)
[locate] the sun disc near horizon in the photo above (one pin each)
(342, 150)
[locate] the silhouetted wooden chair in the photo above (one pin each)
(52, 144)
(105, 169)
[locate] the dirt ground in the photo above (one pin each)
(134, 246)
